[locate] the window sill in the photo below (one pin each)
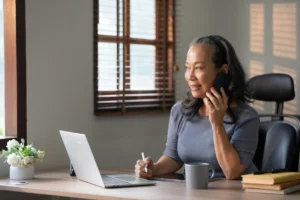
(141, 112)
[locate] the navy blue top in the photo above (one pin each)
(192, 141)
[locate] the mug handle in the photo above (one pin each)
(213, 172)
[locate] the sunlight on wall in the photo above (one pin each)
(291, 106)
(257, 24)
(284, 30)
(257, 68)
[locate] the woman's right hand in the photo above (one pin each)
(140, 168)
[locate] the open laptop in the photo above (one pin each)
(86, 168)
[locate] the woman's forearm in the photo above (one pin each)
(166, 165)
(227, 156)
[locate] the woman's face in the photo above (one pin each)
(200, 70)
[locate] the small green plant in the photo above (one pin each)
(17, 154)
(1, 131)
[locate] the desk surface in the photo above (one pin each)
(59, 183)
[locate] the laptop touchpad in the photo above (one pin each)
(128, 178)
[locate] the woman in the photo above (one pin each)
(208, 126)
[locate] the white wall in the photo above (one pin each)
(194, 18)
(60, 84)
(236, 27)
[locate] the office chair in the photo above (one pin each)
(279, 140)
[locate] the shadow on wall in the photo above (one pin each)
(267, 51)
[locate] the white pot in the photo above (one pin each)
(19, 173)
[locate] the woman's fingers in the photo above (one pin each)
(218, 95)
(214, 101)
(208, 104)
(148, 161)
(224, 97)
(142, 174)
(140, 169)
(141, 163)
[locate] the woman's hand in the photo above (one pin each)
(140, 168)
(217, 105)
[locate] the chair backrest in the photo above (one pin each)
(280, 147)
(273, 87)
(277, 88)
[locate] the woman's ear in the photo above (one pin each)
(224, 68)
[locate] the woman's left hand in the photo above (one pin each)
(217, 105)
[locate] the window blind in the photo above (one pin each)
(134, 52)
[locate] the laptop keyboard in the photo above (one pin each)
(112, 181)
(126, 177)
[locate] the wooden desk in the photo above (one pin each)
(59, 183)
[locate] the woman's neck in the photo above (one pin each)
(203, 110)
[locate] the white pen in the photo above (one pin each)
(143, 156)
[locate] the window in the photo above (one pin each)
(2, 115)
(134, 53)
(12, 71)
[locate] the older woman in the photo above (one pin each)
(210, 125)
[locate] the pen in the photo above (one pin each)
(143, 156)
(273, 171)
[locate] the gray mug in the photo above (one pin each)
(196, 175)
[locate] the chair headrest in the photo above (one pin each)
(272, 87)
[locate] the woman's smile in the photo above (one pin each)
(195, 87)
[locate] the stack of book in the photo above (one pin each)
(276, 183)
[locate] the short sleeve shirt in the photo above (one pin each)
(192, 140)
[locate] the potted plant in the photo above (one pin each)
(21, 159)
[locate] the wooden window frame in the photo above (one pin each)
(168, 52)
(15, 71)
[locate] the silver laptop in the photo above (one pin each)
(86, 168)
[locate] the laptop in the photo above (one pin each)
(86, 168)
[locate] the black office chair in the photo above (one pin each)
(279, 140)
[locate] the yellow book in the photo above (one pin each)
(271, 179)
(285, 191)
(280, 186)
